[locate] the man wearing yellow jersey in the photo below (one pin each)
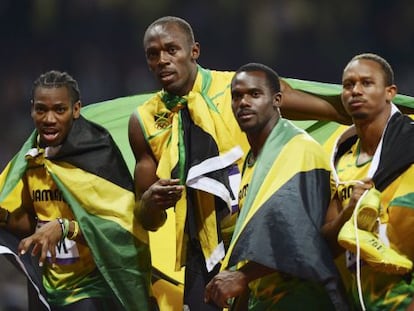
(69, 195)
(277, 256)
(377, 151)
(187, 135)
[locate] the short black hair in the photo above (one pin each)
(56, 79)
(271, 76)
(180, 22)
(386, 67)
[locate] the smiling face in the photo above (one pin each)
(254, 104)
(53, 114)
(365, 94)
(171, 55)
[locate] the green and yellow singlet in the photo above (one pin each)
(382, 291)
(74, 275)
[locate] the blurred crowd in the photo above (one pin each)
(99, 42)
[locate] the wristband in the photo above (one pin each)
(64, 225)
(75, 232)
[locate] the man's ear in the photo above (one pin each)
(76, 109)
(277, 100)
(195, 51)
(391, 91)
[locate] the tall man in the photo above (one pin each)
(377, 151)
(69, 196)
(189, 151)
(277, 252)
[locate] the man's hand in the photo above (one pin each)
(357, 191)
(163, 194)
(160, 196)
(43, 240)
(225, 285)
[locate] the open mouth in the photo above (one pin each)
(49, 136)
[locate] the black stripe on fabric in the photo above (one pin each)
(199, 146)
(284, 234)
(397, 152)
(31, 263)
(91, 148)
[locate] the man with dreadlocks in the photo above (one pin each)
(69, 197)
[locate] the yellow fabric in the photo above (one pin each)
(63, 274)
(100, 198)
(14, 200)
(160, 127)
(278, 177)
(244, 185)
(349, 172)
(383, 291)
(329, 144)
(169, 296)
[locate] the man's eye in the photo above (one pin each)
(347, 85)
(39, 109)
(235, 96)
(151, 55)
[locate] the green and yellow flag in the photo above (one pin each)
(284, 209)
(91, 173)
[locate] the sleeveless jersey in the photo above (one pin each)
(74, 267)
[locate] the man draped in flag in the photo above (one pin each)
(277, 258)
(372, 213)
(69, 196)
(189, 151)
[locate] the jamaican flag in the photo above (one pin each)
(284, 209)
(195, 138)
(90, 171)
(114, 115)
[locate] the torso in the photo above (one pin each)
(74, 260)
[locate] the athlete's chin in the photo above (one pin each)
(174, 87)
(248, 128)
(359, 116)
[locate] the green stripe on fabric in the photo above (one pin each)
(114, 115)
(114, 254)
(206, 83)
(404, 201)
(91, 286)
(17, 167)
(181, 150)
(321, 131)
(281, 134)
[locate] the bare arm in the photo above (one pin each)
(46, 238)
(19, 222)
(336, 216)
(299, 105)
(229, 284)
(155, 195)
(334, 220)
